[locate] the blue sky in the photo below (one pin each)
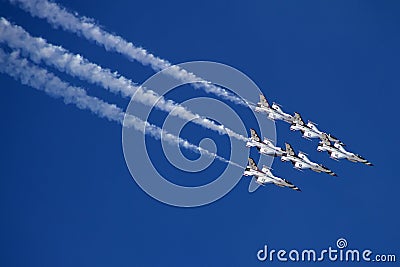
(68, 199)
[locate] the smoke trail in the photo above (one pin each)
(39, 50)
(60, 17)
(28, 74)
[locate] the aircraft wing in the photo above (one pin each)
(311, 125)
(303, 156)
(334, 139)
(267, 171)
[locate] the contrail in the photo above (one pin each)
(39, 50)
(28, 74)
(58, 16)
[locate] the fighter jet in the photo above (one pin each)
(301, 161)
(265, 176)
(310, 129)
(265, 147)
(274, 111)
(338, 152)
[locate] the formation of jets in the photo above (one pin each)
(300, 160)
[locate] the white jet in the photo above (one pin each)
(274, 111)
(265, 176)
(265, 147)
(301, 161)
(310, 129)
(337, 151)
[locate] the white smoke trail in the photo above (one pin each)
(28, 74)
(40, 51)
(58, 16)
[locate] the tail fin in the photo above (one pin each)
(251, 164)
(263, 102)
(325, 139)
(289, 149)
(297, 118)
(254, 136)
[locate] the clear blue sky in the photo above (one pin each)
(67, 197)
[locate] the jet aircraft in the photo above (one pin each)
(274, 111)
(265, 176)
(265, 147)
(337, 151)
(301, 161)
